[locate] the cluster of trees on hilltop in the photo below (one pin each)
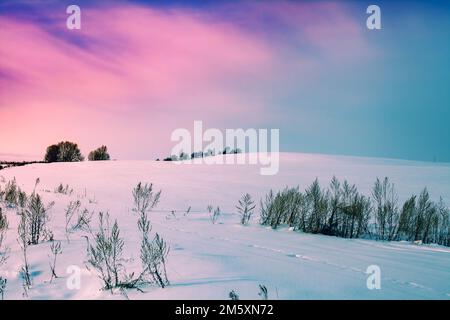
(67, 151)
(99, 154)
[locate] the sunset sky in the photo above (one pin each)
(137, 70)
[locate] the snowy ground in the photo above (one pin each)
(208, 261)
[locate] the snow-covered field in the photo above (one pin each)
(207, 261)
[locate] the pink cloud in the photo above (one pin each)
(134, 72)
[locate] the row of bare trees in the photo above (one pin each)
(340, 210)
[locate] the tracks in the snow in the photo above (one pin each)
(302, 257)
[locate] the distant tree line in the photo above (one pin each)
(67, 151)
(201, 154)
(8, 164)
(340, 210)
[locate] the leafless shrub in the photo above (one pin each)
(55, 249)
(3, 228)
(10, 193)
(105, 254)
(82, 218)
(215, 215)
(21, 198)
(153, 253)
(3, 283)
(3, 250)
(245, 208)
(83, 221)
(267, 208)
(71, 209)
(153, 256)
(3, 222)
(64, 189)
(35, 217)
(144, 197)
(233, 295)
(263, 293)
(23, 240)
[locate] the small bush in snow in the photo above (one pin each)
(3, 283)
(3, 222)
(266, 208)
(11, 193)
(153, 252)
(3, 229)
(263, 293)
(35, 217)
(214, 216)
(105, 255)
(245, 208)
(3, 250)
(145, 198)
(83, 218)
(55, 249)
(233, 295)
(21, 198)
(23, 239)
(63, 189)
(153, 256)
(83, 221)
(71, 209)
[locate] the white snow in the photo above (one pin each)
(207, 261)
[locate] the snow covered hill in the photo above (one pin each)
(206, 260)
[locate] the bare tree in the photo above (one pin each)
(386, 211)
(55, 249)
